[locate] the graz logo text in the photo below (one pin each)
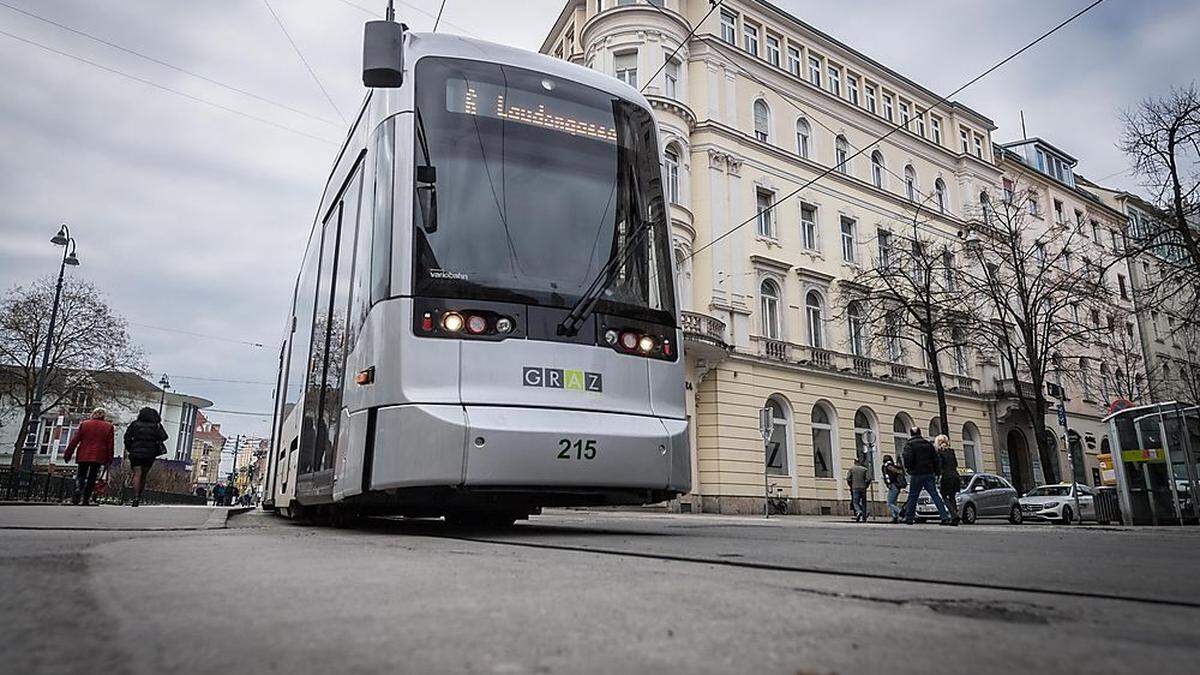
(558, 378)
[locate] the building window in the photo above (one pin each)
(939, 192)
(869, 92)
(803, 134)
(750, 38)
(935, 126)
(910, 182)
(626, 66)
(773, 50)
(921, 126)
(793, 61)
(763, 200)
(671, 78)
(762, 120)
(814, 316)
(852, 89)
(858, 341)
(814, 71)
(1123, 286)
(777, 446)
(887, 107)
(842, 154)
(672, 161)
(1059, 217)
(901, 428)
(808, 226)
(822, 436)
(960, 351)
(979, 146)
(863, 428)
(1032, 206)
(835, 81)
(848, 239)
(1095, 232)
(1010, 191)
(964, 137)
(877, 169)
(729, 27)
(892, 327)
(769, 304)
(970, 443)
(904, 116)
(883, 240)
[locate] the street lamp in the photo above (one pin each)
(64, 239)
(163, 384)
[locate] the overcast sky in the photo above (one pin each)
(193, 217)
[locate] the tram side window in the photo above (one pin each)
(381, 236)
(360, 295)
(306, 292)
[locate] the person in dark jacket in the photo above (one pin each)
(92, 446)
(893, 477)
(949, 482)
(858, 479)
(923, 465)
(143, 443)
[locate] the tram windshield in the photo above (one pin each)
(536, 181)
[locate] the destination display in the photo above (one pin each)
(488, 99)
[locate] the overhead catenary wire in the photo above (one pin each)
(438, 20)
(206, 336)
(682, 42)
(165, 64)
(411, 6)
(896, 127)
(177, 92)
(304, 61)
(199, 378)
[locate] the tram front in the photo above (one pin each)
(540, 250)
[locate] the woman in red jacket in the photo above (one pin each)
(94, 441)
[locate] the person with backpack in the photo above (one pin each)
(858, 478)
(144, 442)
(893, 478)
(923, 465)
(92, 447)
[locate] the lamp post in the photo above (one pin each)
(163, 384)
(65, 240)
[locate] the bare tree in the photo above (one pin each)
(90, 341)
(911, 292)
(1161, 137)
(1036, 303)
(1124, 354)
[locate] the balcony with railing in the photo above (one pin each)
(703, 335)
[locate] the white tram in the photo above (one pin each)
(484, 322)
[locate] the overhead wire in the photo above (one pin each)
(682, 42)
(200, 335)
(439, 16)
(411, 6)
(896, 127)
(303, 60)
(166, 64)
(156, 85)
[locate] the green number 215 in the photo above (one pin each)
(576, 449)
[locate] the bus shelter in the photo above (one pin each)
(1153, 457)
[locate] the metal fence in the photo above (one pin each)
(27, 486)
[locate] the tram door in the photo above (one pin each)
(327, 359)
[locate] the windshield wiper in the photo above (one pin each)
(586, 305)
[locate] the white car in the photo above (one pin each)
(1056, 503)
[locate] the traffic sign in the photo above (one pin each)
(1062, 415)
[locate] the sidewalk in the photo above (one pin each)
(126, 518)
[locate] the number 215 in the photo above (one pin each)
(584, 449)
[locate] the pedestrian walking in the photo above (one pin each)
(950, 482)
(218, 494)
(893, 478)
(858, 478)
(92, 447)
(231, 495)
(144, 442)
(921, 462)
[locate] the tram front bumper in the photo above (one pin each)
(542, 447)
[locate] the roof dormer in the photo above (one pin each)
(1046, 158)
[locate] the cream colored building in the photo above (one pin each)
(751, 109)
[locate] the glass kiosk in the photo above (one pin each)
(1155, 449)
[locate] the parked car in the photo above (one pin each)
(1056, 503)
(983, 495)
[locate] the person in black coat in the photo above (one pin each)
(923, 464)
(143, 443)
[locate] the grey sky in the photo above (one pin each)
(194, 218)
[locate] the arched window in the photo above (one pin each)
(865, 437)
(877, 169)
(803, 137)
(671, 159)
(822, 436)
(857, 332)
(813, 312)
(841, 154)
(970, 444)
(769, 292)
(910, 182)
(762, 120)
(939, 192)
(778, 450)
(935, 427)
(901, 427)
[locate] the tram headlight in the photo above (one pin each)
(610, 337)
(504, 325)
(646, 344)
(629, 340)
(452, 322)
(476, 324)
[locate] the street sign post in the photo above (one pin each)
(1066, 436)
(766, 424)
(869, 455)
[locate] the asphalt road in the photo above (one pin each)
(575, 591)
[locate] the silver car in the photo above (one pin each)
(983, 495)
(1056, 503)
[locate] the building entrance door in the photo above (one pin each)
(1018, 461)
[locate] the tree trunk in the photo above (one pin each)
(20, 442)
(1049, 458)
